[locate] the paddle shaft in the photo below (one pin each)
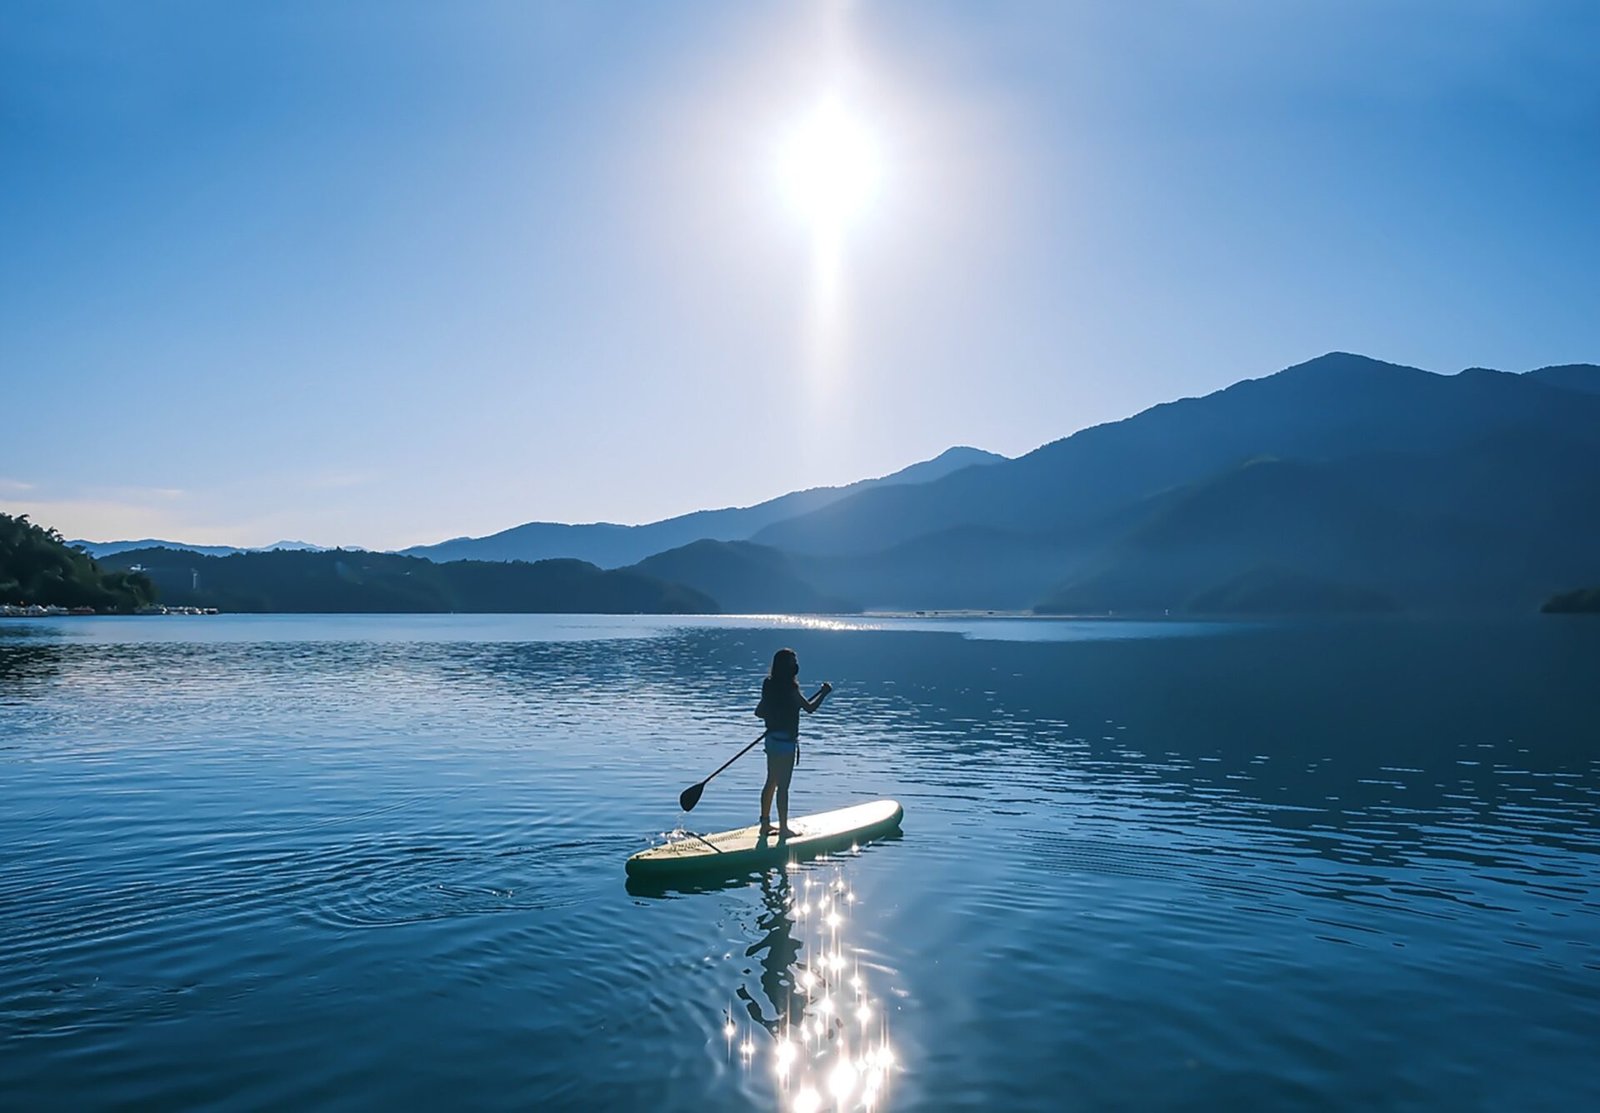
(736, 756)
(691, 795)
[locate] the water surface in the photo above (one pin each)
(361, 862)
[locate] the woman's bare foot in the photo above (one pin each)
(788, 834)
(767, 828)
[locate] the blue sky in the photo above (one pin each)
(381, 274)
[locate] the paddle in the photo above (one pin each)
(690, 796)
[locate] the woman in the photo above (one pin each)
(780, 706)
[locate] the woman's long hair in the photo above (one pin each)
(785, 666)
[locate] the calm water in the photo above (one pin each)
(371, 863)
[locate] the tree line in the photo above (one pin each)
(37, 566)
(355, 581)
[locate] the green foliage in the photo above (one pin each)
(38, 566)
(1585, 600)
(352, 581)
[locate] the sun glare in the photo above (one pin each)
(830, 168)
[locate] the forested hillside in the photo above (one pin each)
(38, 567)
(342, 580)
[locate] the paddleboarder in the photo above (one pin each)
(780, 706)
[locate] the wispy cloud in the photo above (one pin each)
(14, 486)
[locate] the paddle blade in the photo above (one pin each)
(691, 796)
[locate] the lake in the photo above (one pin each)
(372, 862)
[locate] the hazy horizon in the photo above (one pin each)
(383, 276)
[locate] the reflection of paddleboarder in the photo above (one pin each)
(782, 954)
(780, 707)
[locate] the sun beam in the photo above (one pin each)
(829, 171)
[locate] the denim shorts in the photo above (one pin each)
(780, 743)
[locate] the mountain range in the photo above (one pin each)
(1339, 484)
(612, 546)
(99, 549)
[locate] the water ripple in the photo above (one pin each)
(356, 862)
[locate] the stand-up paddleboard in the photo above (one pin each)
(747, 847)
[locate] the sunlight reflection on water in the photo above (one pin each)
(828, 1032)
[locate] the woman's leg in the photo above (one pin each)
(766, 793)
(784, 772)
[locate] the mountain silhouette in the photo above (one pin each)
(1340, 484)
(1368, 480)
(111, 548)
(743, 578)
(614, 546)
(1572, 376)
(1331, 407)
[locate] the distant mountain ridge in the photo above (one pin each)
(111, 548)
(1343, 483)
(1336, 405)
(603, 543)
(614, 546)
(1572, 376)
(1336, 485)
(1386, 484)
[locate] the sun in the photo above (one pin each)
(830, 168)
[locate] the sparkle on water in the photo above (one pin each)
(814, 1056)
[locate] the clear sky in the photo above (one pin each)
(382, 274)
